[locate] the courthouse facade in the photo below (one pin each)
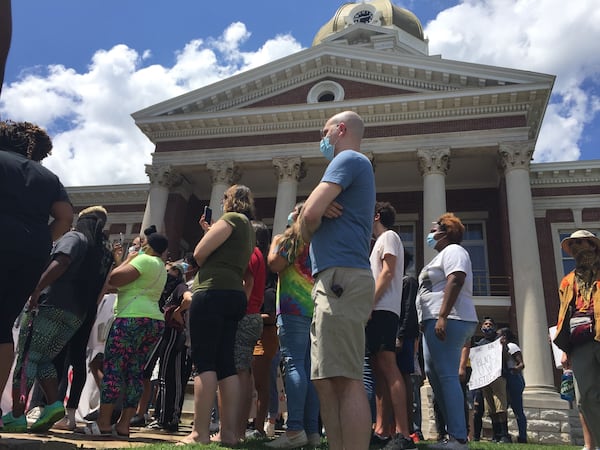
(442, 135)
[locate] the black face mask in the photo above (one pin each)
(488, 332)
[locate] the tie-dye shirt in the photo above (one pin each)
(295, 284)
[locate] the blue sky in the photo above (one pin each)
(80, 68)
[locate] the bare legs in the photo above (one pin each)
(245, 400)
(261, 368)
(205, 387)
(345, 412)
(390, 387)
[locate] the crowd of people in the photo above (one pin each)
(328, 300)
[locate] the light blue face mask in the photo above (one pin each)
(290, 219)
(326, 148)
(431, 240)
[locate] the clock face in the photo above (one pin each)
(364, 16)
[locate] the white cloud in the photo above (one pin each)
(88, 114)
(547, 36)
(96, 141)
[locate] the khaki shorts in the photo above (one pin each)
(337, 332)
(495, 396)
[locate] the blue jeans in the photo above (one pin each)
(515, 384)
(302, 401)
(369, 384)
(442, 359)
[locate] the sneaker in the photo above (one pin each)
(11, 424)
(34, 413)
(378, 440)
(154, 425)
(65, 424)
(415, 437)
(399, 442)
(255, 434)
(92, 416)
(269, 429)
(51, 414)
(213, 427)
(314, 440)
(450, 444)
(286, 441)
(137, 421)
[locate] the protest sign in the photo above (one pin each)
(486, 364)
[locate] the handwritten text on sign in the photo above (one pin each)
(486, 363)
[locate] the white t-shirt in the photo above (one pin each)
(389, 243)
(512, 349)
(432, 281)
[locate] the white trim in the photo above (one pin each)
(326, 87)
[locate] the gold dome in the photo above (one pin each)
(383, 13)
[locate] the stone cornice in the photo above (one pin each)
(373, 112)
(565, 173)
(120, 194)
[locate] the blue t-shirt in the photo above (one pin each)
(345, 241)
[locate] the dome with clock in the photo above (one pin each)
(376, 13)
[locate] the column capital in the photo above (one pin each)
(224, 172)
(516, 155)
(434, 160)
(289, 169)
(164, 175)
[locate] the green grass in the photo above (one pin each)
(260, 444)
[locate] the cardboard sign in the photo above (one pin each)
(486, 364)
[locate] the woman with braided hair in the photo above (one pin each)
(29, 195)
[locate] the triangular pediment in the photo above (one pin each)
(283, 91)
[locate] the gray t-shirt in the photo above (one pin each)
(63, 292)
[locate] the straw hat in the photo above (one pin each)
(579, 234)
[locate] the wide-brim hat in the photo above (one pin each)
(579, 234)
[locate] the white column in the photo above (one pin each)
(162, 179)
(223, 175)
(527, 276)
(433, 165)
(289, 172)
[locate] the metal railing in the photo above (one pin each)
(485, 285)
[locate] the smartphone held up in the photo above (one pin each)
(207, 215)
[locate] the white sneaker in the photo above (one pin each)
(286, 441)
(269, 429)
(450, 444)
(34, 413)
